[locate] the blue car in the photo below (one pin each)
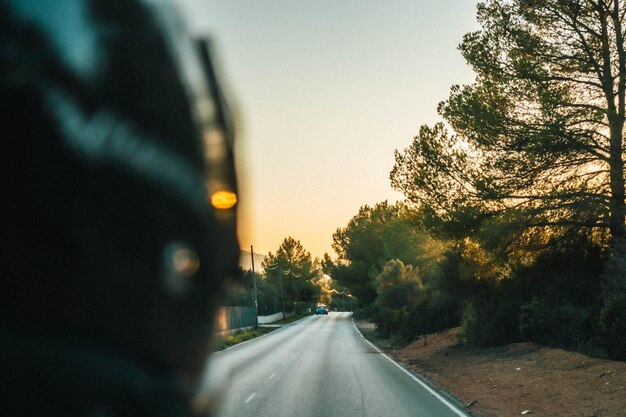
(321, 310)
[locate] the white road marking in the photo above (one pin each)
(272, 376)
(414, 378)
(250, 398)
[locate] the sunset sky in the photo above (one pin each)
(324, 91)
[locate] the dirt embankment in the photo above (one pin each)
(520, 378)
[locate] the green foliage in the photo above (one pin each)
(613, 327)
(269, 296)
(291, 271)
(438, 311)
(566, 271)
(389, 320)
(399, 289)
(524, 179)
(537, 140)
(553, 300)
(613, 315)
(614, 276)
(489, 322)
(398, 285)
(223, 342)
(565, 326)
(367, 312)
(355, 277)
(407, 308)
(242, 294)
(536, 321)
(547, 291)
(373, 237)
(290, 275)
(470, 326)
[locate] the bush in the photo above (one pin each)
(223, 342)
(489, 323)
(388, 321)
(436, 312)
(612, 317)
(366, 313)
(613, 327)
(567, 326)
(534, 321)
(553, 300)
(469, 325)
(399, 290)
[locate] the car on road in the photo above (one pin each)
(321, 310)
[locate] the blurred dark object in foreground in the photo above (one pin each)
(119, 199)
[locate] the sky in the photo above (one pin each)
(323, 92)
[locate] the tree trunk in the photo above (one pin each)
(616, 116)
(617, 207)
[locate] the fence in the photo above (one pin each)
(229, 319)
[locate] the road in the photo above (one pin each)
(319, 366)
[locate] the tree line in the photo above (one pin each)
(291, 281)
(514, 221)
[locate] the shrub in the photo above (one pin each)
(488, 323)
(368, 312)
(534, 320)
(613, 327)
(567, 326)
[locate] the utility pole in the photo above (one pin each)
(256, 296)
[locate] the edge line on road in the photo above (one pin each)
(445, 402)
(250, 398)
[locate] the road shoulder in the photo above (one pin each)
(445, 397)
(512, 379)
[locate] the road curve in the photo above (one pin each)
(319, 366)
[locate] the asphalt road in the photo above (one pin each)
(319, 366)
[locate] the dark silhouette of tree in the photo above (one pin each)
(294, 266)
(537, 140)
